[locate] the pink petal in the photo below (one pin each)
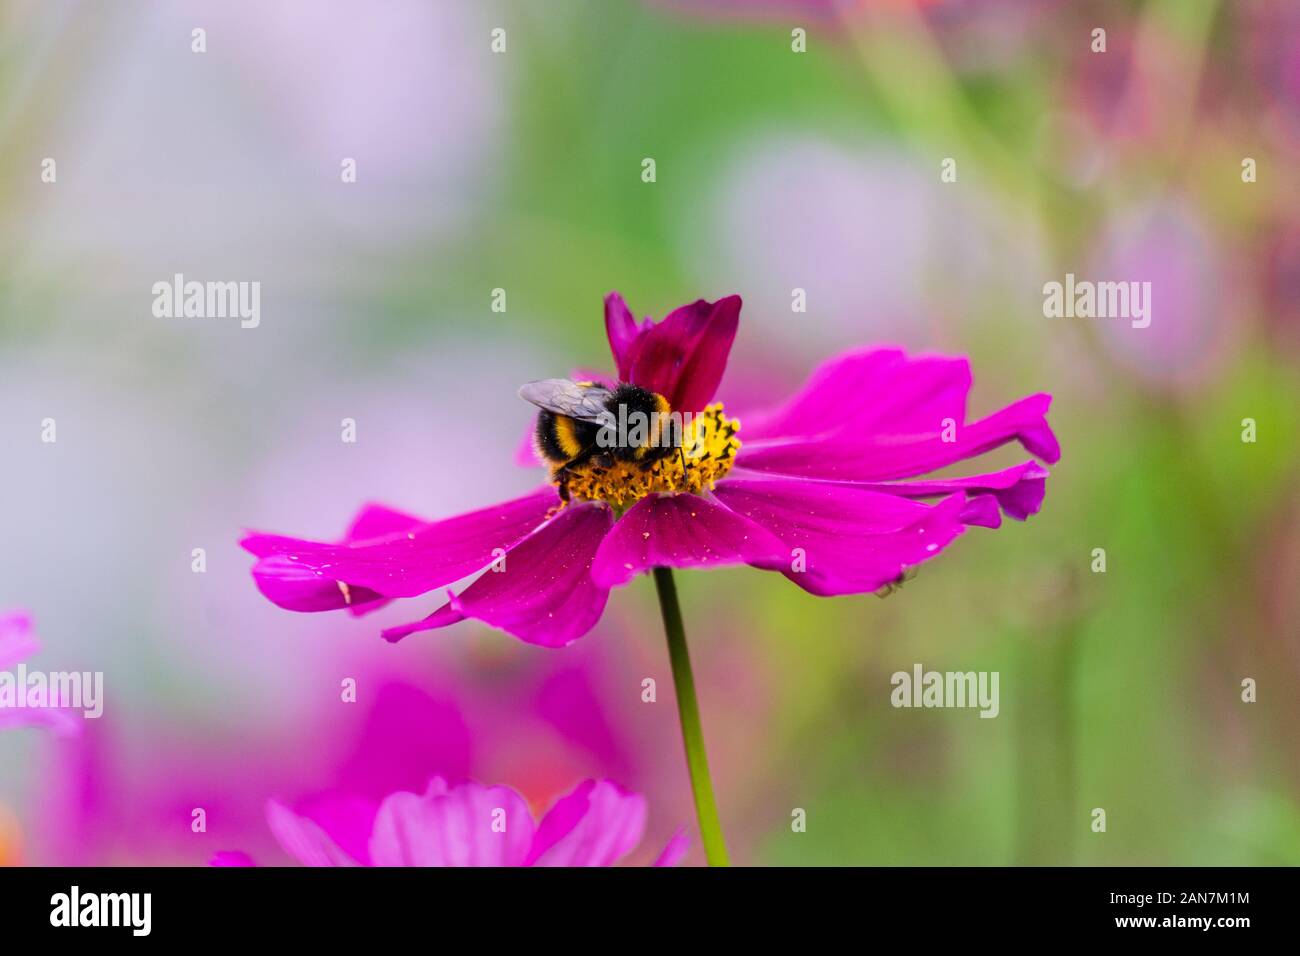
(445, 616)
(570, 700)
(17, 643)
(464, 825)
(676, 849)
(849, 455)
(377, 521)
(546, 594)
(347, 819)
(853, 539)
(407, 737)
(680, 531)
(878, 415)
(404, 564)
(982, 511)
(870, 391)
(231, 858)
(683, 357)
(303, 839)
(298, 586)
(622, 329)
(1017, 490)
(526, 451)
(595, 825)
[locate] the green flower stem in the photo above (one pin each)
(688, 709)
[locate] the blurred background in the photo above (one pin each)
(775, 170)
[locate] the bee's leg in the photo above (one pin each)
(561, 478)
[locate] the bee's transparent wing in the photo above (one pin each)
(566, 397)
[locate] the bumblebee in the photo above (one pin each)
(584, 424)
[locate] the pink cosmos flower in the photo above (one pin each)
(820, 490)
(17, 644)
(464, 824)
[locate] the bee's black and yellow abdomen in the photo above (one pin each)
(651, 408)
(568, 437)
(561, 439)
(544, 438)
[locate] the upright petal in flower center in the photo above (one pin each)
(707, 452)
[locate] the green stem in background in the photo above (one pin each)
(688, 709)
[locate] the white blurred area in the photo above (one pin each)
(162, 149)
(879, 244)
(178, 433)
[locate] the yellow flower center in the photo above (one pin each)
(707, 452)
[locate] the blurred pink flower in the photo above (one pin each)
(1115, 90)
(1271, 41)
(17, 643)
(993, 36)
(16, 640)
(111, 800)
(464, 824)
(815, 495)
(1167, 244)
(857, 227)
(1281, 283)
